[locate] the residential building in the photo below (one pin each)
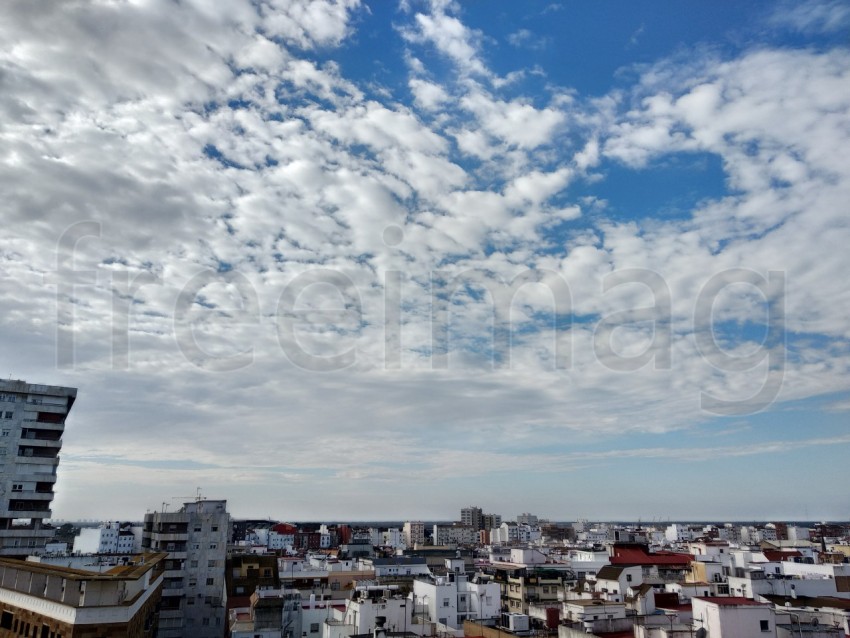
(414, 533)
(32, 420)
(109, 538)
(50, 601)
(733, 617)
(492, 521)
(455, 535)
(196, 540)
(472, 516)
(449, 600)
(527, 519)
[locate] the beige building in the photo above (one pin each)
(52, 602)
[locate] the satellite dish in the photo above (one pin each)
(814, 622)
(701, 633)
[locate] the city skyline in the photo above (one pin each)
(344, 260)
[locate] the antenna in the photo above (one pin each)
(197, 497)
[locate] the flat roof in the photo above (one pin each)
(731, 601)
(119, 572)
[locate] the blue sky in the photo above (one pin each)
(352, 260)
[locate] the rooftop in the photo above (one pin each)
(730, 601)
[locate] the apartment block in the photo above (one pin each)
(193, 595)
(32, 421)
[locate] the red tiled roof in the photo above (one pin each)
(639, 556)
(283, 528)
(776, 555)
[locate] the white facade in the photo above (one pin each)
(451, 599)
(32, 421)
(393, 538)
(109, 538)
(733, 618)
(515, 533)
(455, 535)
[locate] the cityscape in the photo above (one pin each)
(194, 570)
(424, 319)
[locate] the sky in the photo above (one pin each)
(353, 260)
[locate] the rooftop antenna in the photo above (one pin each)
(197, 497)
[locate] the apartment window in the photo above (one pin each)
(197, 528)
(206, 622)
(210, 581)
(628, 578)
(445, 602)
(7, 415)
(211, 563)
(215, 528)
(6, 431)
(17, 487)
(314, 627)
(765, 625)
(213, 545)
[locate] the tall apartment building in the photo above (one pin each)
(32, 420)
(472, 517)
(492, 521)
(193, 595)
(414, 533)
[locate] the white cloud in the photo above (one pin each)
(231, 149)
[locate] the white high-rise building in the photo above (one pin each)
(32, 420)
(193, 594)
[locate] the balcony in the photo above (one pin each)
(40, 433)
(38, 450)
(33, 495)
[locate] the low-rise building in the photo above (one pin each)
(733, 617)
(38, 599)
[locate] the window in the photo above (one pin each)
(628, 578)
(7, 415)
(213, 546)
(17, 487)
(764, 625)
(314, 627)
(6, 431)
(215, 528)
(445, 602)
(210, 581)
(197, 528)
(211, 563)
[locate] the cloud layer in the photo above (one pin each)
(263, 272)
